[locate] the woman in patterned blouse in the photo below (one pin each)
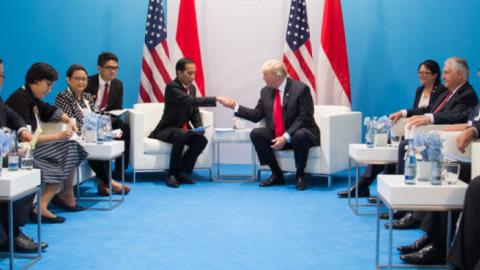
(75, 102)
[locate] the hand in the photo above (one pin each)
(395, 116)
(418, 121)
(227, 102)
(464, 139)
(278, 143)
(26, 136)
(66, 134)
(456, 127)
(72, 124)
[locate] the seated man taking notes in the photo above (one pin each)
(287, 107)
(180, 115)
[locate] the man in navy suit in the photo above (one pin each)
(287, 107)
(107, 93)
(180, 114)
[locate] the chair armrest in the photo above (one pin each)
(337, 131)
(135, 120)
(475, 158)
(410, 133)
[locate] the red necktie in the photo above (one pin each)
(445, 100)
(104, 98)
(278, 124)
(185, 124)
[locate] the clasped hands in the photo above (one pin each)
(226, 101)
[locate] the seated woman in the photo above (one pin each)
(75, 103)
(55, 154)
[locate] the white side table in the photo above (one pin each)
(396, 195)
(360, 154)
(15, 185)
(230, 135)
(107, 151)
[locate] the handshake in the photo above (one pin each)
(226, 102)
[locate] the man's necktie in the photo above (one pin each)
(104, 103)
(444, 101)
(185, 124)
(278, 124)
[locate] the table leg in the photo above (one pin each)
(110, 183)
(78, 183)
(357, 175)
(349, 181)
(123, 176)
(10, 231)
(390, 237)
(39, 223)
(377, 244)
(217, 159)
(449, 231)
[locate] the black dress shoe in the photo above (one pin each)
(415, 246)
(61, 204)
(405, 223)
(273, 180)
(47, 220)
(172, 181)
(23, 244)
(185, 178)
(362, 192)
(427, 255)
(301, 185)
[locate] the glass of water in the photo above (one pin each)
(450, 172)
(26, 156)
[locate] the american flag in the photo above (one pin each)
(297, 55)
(156, 60)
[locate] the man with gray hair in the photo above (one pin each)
(460, 97)
(287, 107)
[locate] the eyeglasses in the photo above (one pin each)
(49, 83)
(111, 68)
(424, 73)
(80, 79)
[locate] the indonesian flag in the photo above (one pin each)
(187, 41)
(333, 77)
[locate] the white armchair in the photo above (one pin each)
(150, 155)
(338, 128)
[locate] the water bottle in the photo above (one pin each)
(410, 164)
(13, 158)
(100, 133)
(436, 173)
(107, 127)
(370, 135)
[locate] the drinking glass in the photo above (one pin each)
(450, 172)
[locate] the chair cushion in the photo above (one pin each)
(314, 152)
(156, 147)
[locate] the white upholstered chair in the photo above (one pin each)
(338, 128)
(150, 155)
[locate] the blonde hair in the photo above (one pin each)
(276, 67)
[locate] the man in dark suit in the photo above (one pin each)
(107, 93)
(21, 208)
(287, 107)
(180, 114)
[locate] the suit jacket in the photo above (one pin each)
(115, 92)
(462, 100)
(297, 109)
(180, 107)
(437, 91)
(23, 103)
(66, 101)
(463, 112)
(9, 118)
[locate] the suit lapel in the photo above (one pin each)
(286, 95)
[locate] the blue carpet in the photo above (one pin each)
(214, 225)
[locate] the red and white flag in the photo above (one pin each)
(156, 62)
(333, 77)
(297, 55)
(187, 41)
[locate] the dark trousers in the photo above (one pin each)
(300, 143)
(465, 253)
(119, 124)
(184, 162)
(101, 170)
(21, 211)
(371, 173)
